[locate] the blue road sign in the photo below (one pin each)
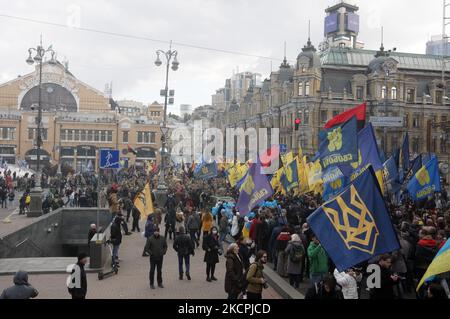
(109, 159)
(283, 148)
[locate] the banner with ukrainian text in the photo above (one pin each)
(254, 190)
(425, 182)
(340, 145)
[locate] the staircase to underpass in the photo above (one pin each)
(50, 242)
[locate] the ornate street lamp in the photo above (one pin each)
(36, 193)
(170, 58)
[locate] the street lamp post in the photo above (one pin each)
(36, 192)
(171, 57)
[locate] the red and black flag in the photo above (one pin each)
(359, 112)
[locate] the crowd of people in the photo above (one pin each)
(278, 236)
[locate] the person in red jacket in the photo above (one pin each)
(253, 227)
(426, 250)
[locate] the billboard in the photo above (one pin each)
(331, 23)
(352, 22)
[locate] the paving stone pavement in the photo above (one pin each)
(132, 281)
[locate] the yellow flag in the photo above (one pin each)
(287, 158)
(233, 175)
(302, 175)
(139, 203)
(148, 200)
(275, 182)
(315, 177)
(143, 202)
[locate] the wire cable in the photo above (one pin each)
(137, 37)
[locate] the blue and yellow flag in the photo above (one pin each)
(254, 191)
(425, 182)
(287, 158)
(340, 145)
(334, 182)
(302, 175)
(404, 155)
(206, 170)
(355, 226)
(314, 173)
(439, 265)
(390, 173)
(289, 178)
(367, 156)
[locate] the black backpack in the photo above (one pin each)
(297, 253)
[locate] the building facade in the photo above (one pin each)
(77, 122)
(325, 83)
(437, 45)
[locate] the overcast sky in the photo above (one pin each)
(255, 27)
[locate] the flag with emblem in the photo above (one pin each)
(289, 177)
(426, 181)
(367, 155)
(143, 202)
(254, 191)
(334, 182)
(206, 170)
(355, 226)
(340, 145)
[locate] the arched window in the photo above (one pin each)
(300, 89)
(383, 92)
(307, 88)
(394, 93)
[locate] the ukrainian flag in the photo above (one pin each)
(439, 265)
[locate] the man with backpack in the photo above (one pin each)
(296, 254)
(193, 225)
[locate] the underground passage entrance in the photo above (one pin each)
(60, 235)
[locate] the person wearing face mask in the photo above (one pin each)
(157, 247)
(211, 247)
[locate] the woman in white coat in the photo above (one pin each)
(348, 280)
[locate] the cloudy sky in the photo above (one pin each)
(251, 27)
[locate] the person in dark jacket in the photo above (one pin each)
(136, 214)
(184, 246)
(234, 276)
(157, 247)
(387, 282)
(80, 292)
(324, 290)
(169, 221)
(21, 289)
(193, 225)
(426, 250)
(211, 247)
(245, 251)
(116, 238)
(148, 231)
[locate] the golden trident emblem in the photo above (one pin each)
(423, 176)
(205, 170)
(335, 140)
(356, 228)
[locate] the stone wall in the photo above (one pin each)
(59, 234)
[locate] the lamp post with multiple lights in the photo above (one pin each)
(170, 58)
(36, 193)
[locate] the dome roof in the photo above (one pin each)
(309, 52)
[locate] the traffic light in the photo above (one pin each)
(297, 124)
